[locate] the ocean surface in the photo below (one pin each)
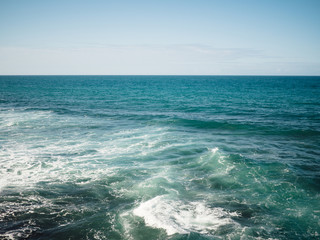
(159, 157)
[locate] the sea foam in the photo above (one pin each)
(176, 216)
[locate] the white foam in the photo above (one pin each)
(176, 216)
(214, 150)
(16, 118)
(133, 142)
(22, 165)
(27, 159)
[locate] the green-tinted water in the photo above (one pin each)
(150, 157)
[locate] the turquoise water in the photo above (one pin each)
(159, 157)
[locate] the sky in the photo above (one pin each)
(167, 37)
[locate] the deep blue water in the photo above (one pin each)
(159, 157)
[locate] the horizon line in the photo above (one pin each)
(216, 75)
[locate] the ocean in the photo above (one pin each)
(159, 157)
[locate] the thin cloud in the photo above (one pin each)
(136, 59)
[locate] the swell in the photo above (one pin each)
(241, 127)
(244, 127)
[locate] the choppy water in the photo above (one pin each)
(159, 157)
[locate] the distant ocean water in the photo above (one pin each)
(159, 157)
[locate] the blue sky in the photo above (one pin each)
(201, 37)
